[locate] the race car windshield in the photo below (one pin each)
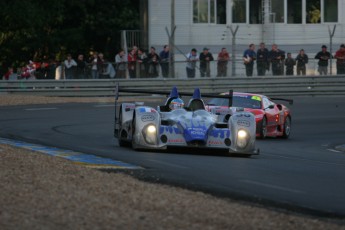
(251, 102)
(201, 112)
(178, 111)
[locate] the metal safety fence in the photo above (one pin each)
(269, 85)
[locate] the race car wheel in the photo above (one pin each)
(122, 143)
(287, 128)
(263, 128)
(134, 144)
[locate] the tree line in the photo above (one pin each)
(42, 29)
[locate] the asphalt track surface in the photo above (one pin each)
(304, 173)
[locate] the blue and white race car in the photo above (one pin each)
(177, 125)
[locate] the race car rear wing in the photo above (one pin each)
(118, 90)
(229, 96)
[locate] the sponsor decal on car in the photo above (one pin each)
(219, 111)
(197, 131)
(215, 142)
(146, 110)
(175, 141)
(169, 129)
(129, 107)
(257, 98)
(243, 115)
(148, 117)
(243, 123)
(220, 133)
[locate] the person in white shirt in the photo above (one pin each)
(121, 64)
(69, 65)
(192, 58)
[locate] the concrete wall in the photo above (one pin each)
(189, 34)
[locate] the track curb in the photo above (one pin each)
(87, 160)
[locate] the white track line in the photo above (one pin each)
(272, 186)
(333, 150)
(39, 109)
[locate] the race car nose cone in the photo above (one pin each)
(195, 133)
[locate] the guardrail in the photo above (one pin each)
(272, 86)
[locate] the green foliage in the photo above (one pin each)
(33, 29)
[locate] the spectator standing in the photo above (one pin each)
(153, 60)
(302, 60)
(45, 67)
(121, 64)
(81, 67)
(51, 69)
(164, 56)
(101, 64)
(192, 58)
(39, 73)
(323, 57)
(94, 65)
(142, 63)
(8, 74)
(109, 70)
(28, 72)
(262, 63)
(69, 65)
(205, 58)
(249, 56)
(58, 71)
(276, 57)
(222, 64)
(289, 63)
(135, 48)
(132, 61)
(340, 56)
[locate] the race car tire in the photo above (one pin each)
(121, 142)
(134, 144)
(263, 128)
(287, 128)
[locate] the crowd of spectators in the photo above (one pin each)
(277, 60)
(138, 63)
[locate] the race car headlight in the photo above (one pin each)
(150, 134)
(151, 129)
(241, 134)
(242, 138)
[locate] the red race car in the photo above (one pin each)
(272, 120)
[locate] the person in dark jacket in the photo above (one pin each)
(142, 60)
(164, 56)
(289, 63)
(153, 63)
(323, 57)
(249, 56)
(302, 60)
(276, 57)
(81, 67)
(205, 58)
(262, 63)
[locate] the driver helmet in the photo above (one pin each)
(176, 104)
